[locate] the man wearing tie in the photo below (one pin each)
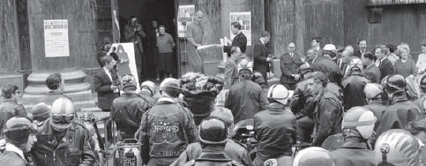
(261, 55)
(362, 43)
(106, 83)
(289, 63)
(383, 63)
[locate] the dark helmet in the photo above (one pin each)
(213, 131)
(18, 129)
(423, 84)
(304, 69)
(395, 83)
(355, 70)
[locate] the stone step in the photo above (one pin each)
(79, 105)
(71, 76)
(75, 96)
(68, 88)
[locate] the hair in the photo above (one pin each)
(318, 77)
(370, 56)
(131, 17)
(53, 81)
(403, 46)
(317, 39)
(423, 43)
(8, 90)
(236, 24)
(391, 47)
(162, 26)
(106, 59)
(360, 40)
(417, 126)
(223, 114)
(265, 33)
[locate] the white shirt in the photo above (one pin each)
(13, 148)
(108, 73)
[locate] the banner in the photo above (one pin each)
(185, 16)
(244, 18)
(56, 38)
(127, 61)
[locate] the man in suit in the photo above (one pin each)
(261, 55)
(385, 66)
(240, 40)
(316, 45)
(231, 68)
(289, 63)
(362, 43)
(371, 71)
(106, 83)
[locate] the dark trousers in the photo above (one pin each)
(304, 128)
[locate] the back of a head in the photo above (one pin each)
(370, 56)
(213, 131)
(265, 34)
(128, 83)
(280, 94)
(358, 122)
(373, 91)
(171, 87)
(53, 81)
(40, 112)
(148, 86)
(318, 76)
(397, 147)
(8, 90)
(313, 156)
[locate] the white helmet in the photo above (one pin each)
(62, 113)
(372, 90)
(361, 119)
(330, 47)
(149, 85)
(280, 93)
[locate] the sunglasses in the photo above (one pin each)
(57, 118)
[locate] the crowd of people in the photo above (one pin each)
(333, 106)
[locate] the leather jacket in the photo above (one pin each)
(166, 130)
(72, 149)
(274, 129)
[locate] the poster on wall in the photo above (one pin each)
(56, 42)
(185, 16)
(127, 61)
(245, 20)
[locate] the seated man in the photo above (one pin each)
(275, 128)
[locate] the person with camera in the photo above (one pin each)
(134, 33)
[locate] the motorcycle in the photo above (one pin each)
(243, 132)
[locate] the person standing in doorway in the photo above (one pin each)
(134, 33)
(194, 35)
(166, 57)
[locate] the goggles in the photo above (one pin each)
(58, 118)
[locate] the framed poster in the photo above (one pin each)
(56, 42)
(185, 16)
(245, 20)
(127, 64)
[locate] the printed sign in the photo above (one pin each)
(56, 42)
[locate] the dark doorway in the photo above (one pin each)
(147, 11)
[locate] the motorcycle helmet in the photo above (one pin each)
(62, 113)
(18, 129)
(40, 112)
(360, 119)
(395, 83)
(148, 86)
(212, 130)
(304, 69)
(397, 147)
(128, 82)
(373, 91)
(423, 84)
(171, 87)
(313, 156)
(330, 49)
(279, 93)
